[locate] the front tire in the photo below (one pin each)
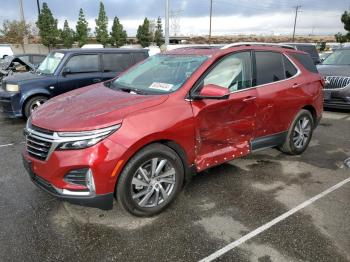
(150, 181)
(299, 134)
(33, 104)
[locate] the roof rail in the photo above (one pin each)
(258, 44)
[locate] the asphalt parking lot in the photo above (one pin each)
(216, 208)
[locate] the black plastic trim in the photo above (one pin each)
(268, 141)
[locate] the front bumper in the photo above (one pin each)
(101, 159)
(10, 104)
(338, 99)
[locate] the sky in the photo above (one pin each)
(230, 17)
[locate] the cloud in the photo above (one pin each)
(229, 16)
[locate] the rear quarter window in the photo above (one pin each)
(306, 61)
(140, 57)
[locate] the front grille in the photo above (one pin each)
(336, 82)
(38, 142)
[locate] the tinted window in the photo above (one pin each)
(139, 57)
(116, 62)
(306, 61)
(310, 49)
(233, 72)
(289, 68)
(269, 67)
(37, 59)
(83, 64)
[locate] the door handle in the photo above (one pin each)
(249, 98)
(96, 80)
(295, 85)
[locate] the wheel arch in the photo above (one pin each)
(313, 112)
(26, 99)
(179, 150)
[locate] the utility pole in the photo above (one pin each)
(211, 15)
(21, 11)
(167, 41)
(295, 20)
(38, 4)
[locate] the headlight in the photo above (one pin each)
(85, 139)
(12, 88)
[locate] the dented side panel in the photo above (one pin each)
(224, 128)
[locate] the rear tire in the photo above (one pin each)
(299, 134)
(33, 104)
(150, 181)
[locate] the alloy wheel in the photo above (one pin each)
(36, 104)
(153, 182)
(302, 132)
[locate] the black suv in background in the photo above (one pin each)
(308, 48)
(336, 70)
(60, 72)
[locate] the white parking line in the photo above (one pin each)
(6, 145)
(261, 229)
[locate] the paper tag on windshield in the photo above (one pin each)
(161, 86)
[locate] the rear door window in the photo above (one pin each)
(306, 61)
(116, 62)
(83, 63)
(269, 67)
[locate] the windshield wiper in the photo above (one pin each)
(134, 90)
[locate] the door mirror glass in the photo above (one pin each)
(213, 92)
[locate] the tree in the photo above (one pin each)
(118, 34)
(82, 29)
(143, 34)
(101, 26)
(345, 19)
(340, 38)
(67, 35)
(158, 34)
(47, 25)
(15, 31)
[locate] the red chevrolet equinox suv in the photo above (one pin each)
(139, 136)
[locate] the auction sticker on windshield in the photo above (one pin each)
(161, 86)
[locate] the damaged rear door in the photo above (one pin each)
(224, 128)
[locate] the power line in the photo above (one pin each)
(295, 20)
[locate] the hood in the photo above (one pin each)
(19, 77)
(90, 108)
(334, 70)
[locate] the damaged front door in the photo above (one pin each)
(224, 128)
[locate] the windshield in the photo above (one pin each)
(341, 57)
(159, 74)
(50, 63)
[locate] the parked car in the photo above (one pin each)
(5, 50)
(308, 48)
(139, 136)
(19, 63)
(62, 71)
(336, 70)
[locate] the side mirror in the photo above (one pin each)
(213, 92)
(66, 71)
